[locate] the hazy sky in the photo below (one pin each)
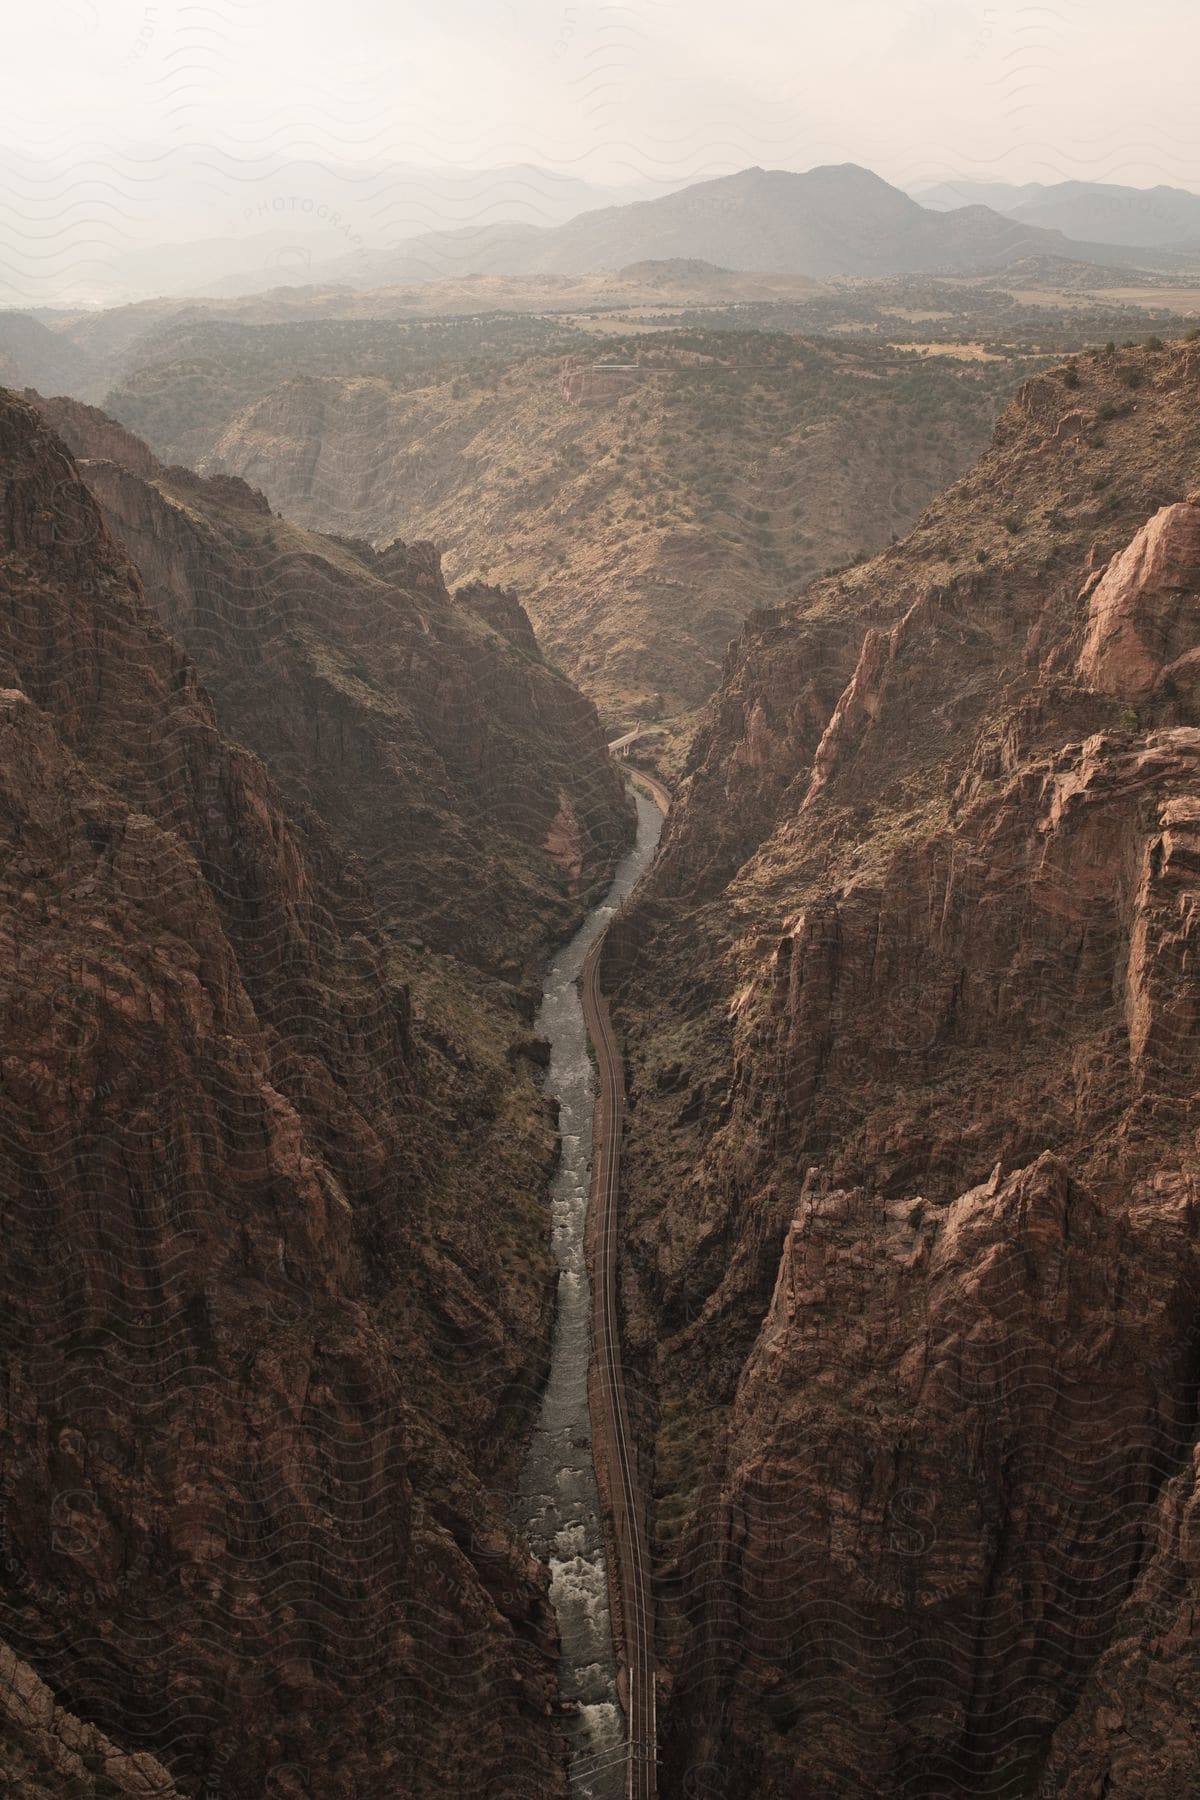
(185, 116)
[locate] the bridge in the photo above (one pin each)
(620, 745)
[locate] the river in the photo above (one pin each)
(558, 1508)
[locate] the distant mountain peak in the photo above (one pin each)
(833, 220)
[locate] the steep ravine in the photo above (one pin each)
(558, 1511)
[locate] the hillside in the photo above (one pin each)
(32, 355)
(1147, 219)
(275, 1281)
(189, 373)
(833, 220)
(909, 1261)
(640, 502)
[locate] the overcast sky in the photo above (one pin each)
(231, 97)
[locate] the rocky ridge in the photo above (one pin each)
(910, 1272)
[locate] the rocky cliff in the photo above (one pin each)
(468, 778)
(910, 1272)
(274, 1273)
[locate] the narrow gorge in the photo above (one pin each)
(559, 1510)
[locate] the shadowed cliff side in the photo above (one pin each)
(274, 1277)
(467, 776)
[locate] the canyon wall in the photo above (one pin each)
(910, 1273)
(275, 1282)
(466, 776)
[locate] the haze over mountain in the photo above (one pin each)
(1156, 218)
(192, 223)
(838, 219)
(376, 224)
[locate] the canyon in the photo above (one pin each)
(641, 498)
(902, 1261)
(466, 778)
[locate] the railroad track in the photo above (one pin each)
(612, 1434)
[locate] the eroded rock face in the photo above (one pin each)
(1144, 614)
(48, 1754)
(425, 729)
(910, 1273)
(263, 1353)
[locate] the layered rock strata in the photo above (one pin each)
(910, 1272)
(274, 1273)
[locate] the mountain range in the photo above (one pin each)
(833, 220)
(378, 227)
(1157, 218)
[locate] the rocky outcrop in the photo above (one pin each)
(89, 432)
(1143, 612)
(47, 1754)
(274, 1278)
(425, 729)
(910, 1268)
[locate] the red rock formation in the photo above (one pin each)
(425, 729)
(273, 1277)
(910, 1268)
(1142, 614)
(79, 425)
